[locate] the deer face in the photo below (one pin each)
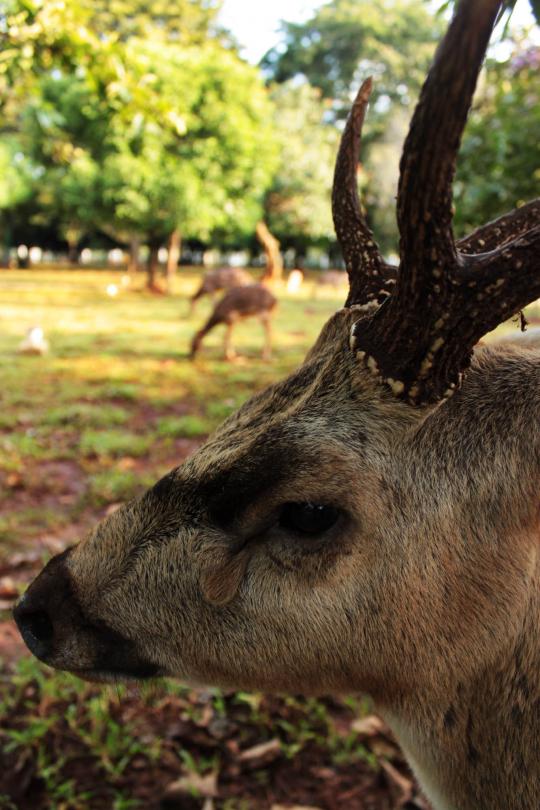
(212, 573)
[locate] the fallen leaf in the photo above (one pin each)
(14, 480)
(127, 463)
(192, 782)
(368, 726)
(293, 807)
(264, 751)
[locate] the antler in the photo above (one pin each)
(502, 230)
(370, 277)
(420, 339)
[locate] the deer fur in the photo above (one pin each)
(221, 278)
(248, 301)
(425, 590)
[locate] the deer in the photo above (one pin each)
(221, 278)
(371, 523)
(238, 303)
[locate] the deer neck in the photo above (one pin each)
(469, 718)
(477, 745)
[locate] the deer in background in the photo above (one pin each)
(253, 300)
(221, 278)
(372, 522)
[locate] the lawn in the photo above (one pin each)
(112, 406)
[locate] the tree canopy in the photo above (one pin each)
(140, 121)
(347, 40)
(145, 136)
(297, 204)
(499, 166)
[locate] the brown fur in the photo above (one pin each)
(424, 594)
(251, 300)
(221, 278)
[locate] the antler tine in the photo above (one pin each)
(502, 230)
(421, 338)
(424, 208)
(369, 275)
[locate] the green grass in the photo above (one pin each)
(183, 426)
(113, 443)
(83, 414)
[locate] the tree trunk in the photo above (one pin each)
(133, 261)
(175, 244)
(274, 260)
(152, 269)
(73, 251)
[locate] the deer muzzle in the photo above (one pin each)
(57, 630)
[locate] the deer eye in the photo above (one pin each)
(308, 518)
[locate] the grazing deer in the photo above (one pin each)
(237, 304)
(222, 278)
(372, 522)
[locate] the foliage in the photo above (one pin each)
(344, 42)
(197, 160)
(298, 202)
(347, 40)
(140, 137)
(183, 21)
(17, 184)
(131, 122)
(499, 165)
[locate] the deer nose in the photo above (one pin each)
(36, 628)
(41, 612)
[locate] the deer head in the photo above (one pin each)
(370, 523)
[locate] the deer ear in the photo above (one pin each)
(221, 579)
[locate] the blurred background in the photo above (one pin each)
(155, 157)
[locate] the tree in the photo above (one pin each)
(146, 139)
(191, 162)
(347, 40)
(64, 127)
(17, 184)
(499, 164)
(296, 205)
(344, 42)
(187, 22)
